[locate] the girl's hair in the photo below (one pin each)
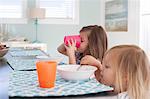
(133, 64)
(97, 41)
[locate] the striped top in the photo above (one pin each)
(123, 95)
(78, 56)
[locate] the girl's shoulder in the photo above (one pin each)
(123, 95)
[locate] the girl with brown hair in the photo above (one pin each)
(93, 44)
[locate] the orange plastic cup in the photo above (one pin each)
(46, 71)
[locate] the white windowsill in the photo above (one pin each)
(59, 21)
(13, 20)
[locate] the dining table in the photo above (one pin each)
(18, 80)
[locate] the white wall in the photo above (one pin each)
(132, 35)
(91, 12)
(52, 34)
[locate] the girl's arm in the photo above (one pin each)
(98, 75)
(72, 58)
(61, 49)
(90, 60)
(68, 51)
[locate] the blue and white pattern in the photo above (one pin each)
(22, 64)
(26, 53)
(24, 59)
(25, 84)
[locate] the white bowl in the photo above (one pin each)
(70, 72)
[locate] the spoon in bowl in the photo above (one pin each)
(78, 68)
(81, 65)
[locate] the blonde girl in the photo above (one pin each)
(126, 68)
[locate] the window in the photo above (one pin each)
(60, 11)
(145, 25)
(12, 11)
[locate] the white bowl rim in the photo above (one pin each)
(60, 66)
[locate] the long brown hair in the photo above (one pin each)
(133, 64)
(97, 39)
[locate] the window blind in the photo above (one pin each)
(58, 8)
(11, 8)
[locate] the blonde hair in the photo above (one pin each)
(133, 64)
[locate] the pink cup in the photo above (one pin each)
(74, 37)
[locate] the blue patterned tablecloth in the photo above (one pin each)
(25, 59)
(22, 64)
(26, 53)
(25, 84)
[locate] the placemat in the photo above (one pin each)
(25, 84)
(22, 64)
(25, 59)
(26, 53)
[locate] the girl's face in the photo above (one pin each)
(108, 71)
(84, 42)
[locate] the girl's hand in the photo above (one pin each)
(90, 60)
(70, 50)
